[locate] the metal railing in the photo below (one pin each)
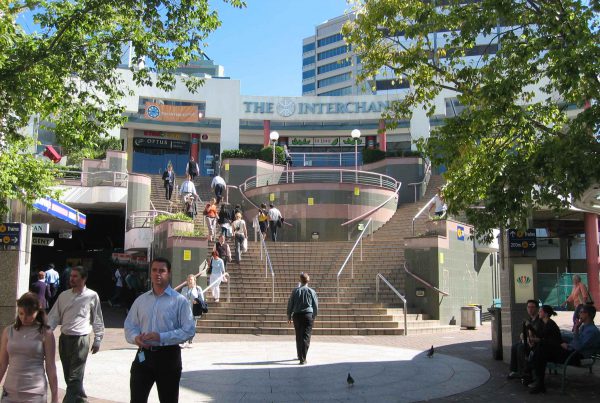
(329, 159)
(424, 182)
(421, 212)
(98, 178)
(201, 270)
(372, 211)
(424, 282)
(267, 262)
(218, 281)
(144, 218)
(351, 256)
(378, 277)
(324, 175)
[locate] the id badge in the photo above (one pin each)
(141, 357)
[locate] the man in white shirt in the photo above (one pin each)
(218, 184)
(53, 281)
(158, 322)
(78, 312)
(275, 219)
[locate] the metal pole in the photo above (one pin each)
(273, 157)
(352, 264)
(377, 288)
(356, 160)
(228, 291)
(338, 288)
(361, 256)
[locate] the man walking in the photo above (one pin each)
(192, 169)
(78, 312)
(302, 309)
(275, 219)
(53, 281)
(218, 184)
(158, 321)
(169, 181)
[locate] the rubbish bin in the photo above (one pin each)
(480, 313)
(496, 332)
(470, 317)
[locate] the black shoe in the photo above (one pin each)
(514, 375)
(526, 380)
(301, 362)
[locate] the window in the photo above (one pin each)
(308, 74)
(391, 84)
(333, 66)
(308, 87)
(329, 39)
(308, 60)
(334, 80)
(340, 91)
(308, 47)
(332, 52)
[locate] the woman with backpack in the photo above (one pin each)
(191, 291)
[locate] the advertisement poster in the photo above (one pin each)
(523, 283)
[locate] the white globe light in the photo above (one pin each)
(355, 133)
(274, 136)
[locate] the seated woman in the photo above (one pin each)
(545, 347)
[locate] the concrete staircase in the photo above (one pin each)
(252, 311)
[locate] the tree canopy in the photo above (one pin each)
(64, 73)
(527, 137)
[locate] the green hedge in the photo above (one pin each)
(243, 154)
(372, 155)
(265, 154)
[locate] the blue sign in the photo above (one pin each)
(61, 211)
(9, 235)
(522, 239)
(460, 233)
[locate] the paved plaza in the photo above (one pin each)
(252, 368)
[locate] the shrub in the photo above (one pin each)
(372, 155)
(243, 154)
(266, 154)
(174, 217)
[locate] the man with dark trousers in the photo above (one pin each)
(158, 321)
(78, 312)
(520, 350)
(302, 308)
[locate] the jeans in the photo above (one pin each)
(273, 228)
(239, 240)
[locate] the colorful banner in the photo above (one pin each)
(171, 113)
(61, 211)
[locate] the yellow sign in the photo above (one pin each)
(271, 196)
(187, 254)
(227, 167)
(441, 257)
(311, 201)
(356, 191)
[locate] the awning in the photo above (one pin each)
(61, 211)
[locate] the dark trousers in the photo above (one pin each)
(163, 367)
(219, 189)
(273, 229)
(518, 357)
(168, 191)
(543, 354)
(73, 352)
(303, 324)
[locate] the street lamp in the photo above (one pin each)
(355, 135)
(274, 136)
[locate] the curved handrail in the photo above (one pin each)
(200, 272)
(425, 181)
(252, 203)
(378, 277)
(324, 175)
(107, 178)
(372, 211)
(268, 261)
(421, 212)
(146, 216)
(413, 275)
(348, 258)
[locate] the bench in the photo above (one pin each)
(590, 357)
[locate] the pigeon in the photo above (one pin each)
(430, 352)
(350, 380)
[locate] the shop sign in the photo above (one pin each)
(160, 143)
(39, 241)
(287, 107)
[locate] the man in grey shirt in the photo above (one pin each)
(78, 311)
(302, 309)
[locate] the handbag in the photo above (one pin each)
(199, 307)
(245, 245)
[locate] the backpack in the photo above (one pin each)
(206, 209)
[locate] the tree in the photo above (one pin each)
(65, 73)
(517, 145)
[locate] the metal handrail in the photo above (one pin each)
(421, 212)
(146, 217)
(424, 182)
(424, 282)
(378, 277)
(201, 271)
(344, 158)
(324, 175)
(268, 261)
(88, 179)
(372, 211)
(218, 281)
(351, 254)
(239, 188)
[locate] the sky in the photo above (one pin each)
(261, 45)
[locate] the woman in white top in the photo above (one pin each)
(217, 270)
(191, 291)
(240, 233)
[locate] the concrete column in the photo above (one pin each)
(195, 148)
(591, 254)
(266, 132)
(14, 267)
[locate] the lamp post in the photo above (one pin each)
(355, 135)
(274, 136)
